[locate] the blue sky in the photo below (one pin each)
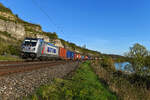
(108, 26)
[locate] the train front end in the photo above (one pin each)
(29, 48)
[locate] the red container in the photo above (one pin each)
(62, 53)
(79, 56)
(86, 57)
(76, 56)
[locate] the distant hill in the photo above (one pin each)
(114, 56)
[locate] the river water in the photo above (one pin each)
(124, 66)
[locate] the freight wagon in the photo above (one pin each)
(77, 56)
(62, 53)
(70, 55)
(85, 57)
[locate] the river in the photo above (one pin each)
(124, 66)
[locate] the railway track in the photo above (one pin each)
(7, 68)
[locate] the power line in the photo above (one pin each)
(50, 18)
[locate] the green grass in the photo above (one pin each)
(6, 34)
(9, 58)
(4, 9)
(84, 85)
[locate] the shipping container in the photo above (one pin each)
(62, 53)
(79, 56)
(82, 57)
(70, 55)
(86, 57)
(75, 56)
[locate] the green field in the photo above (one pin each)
(84, 85)
(9, 58)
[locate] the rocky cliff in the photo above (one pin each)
(18, 28)
(15, 29)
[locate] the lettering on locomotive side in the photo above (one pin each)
(51, 50)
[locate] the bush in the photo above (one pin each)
(126, 86)
(8, 48)
(13, 50)
(3, 48)
(4, 9)
(108, 63)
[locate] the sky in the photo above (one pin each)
(108, 26)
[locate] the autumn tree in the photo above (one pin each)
(137, 54)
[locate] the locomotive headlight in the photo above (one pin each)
(33, 49)
(23, 47)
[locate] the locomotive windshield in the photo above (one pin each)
(30, 42)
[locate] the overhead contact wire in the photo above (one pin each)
(50, 19)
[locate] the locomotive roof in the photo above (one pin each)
(28, 38)
(51, 44)
(33, 38)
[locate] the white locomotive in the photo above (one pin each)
(38, 48)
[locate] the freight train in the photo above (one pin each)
(37, 48)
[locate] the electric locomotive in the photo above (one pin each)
(38, 48)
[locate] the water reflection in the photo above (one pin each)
(124, 66)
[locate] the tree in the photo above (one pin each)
(17, 15)
(52, 36)
(138, 51)
(137, 55)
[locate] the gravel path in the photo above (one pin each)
(21, 84)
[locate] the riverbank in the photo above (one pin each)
(83, 85)
(126, 86)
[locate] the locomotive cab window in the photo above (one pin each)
(30, 43)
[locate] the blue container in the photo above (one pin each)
(82, 57)
(70, 55)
